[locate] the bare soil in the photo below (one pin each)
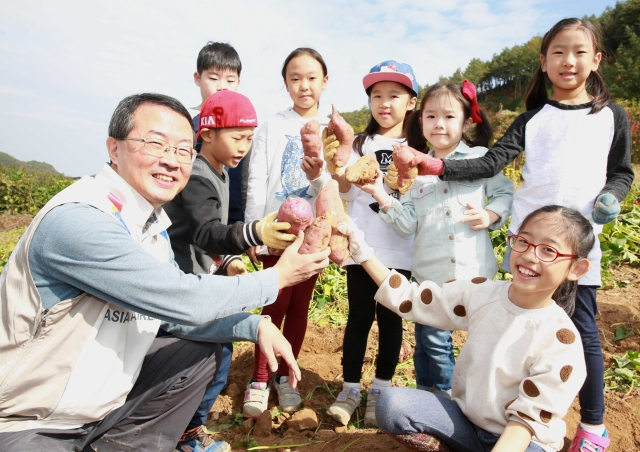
(322, 380)
(9, 221)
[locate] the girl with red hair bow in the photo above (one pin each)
(449, 219)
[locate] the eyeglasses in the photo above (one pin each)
(545, 253)
(158, 148)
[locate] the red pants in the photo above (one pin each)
(292, 302)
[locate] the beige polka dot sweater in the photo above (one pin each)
(525, 365)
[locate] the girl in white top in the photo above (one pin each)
(449, 219)
(392, 91)
(522, 364)
(275, 174)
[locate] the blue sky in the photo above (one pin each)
(66, 64)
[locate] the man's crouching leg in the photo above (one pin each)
(172, 382)
(174, 376)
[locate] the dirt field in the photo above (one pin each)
(321, 373)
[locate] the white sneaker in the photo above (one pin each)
(288, 398)
(344, 406)
(370, 412)
(256, 399)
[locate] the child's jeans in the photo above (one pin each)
(402, 411)
(433, 359)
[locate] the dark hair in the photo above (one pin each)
(218, 55)
(537, 90)
(577, 232)
(303, 51)
(480, 135)
(122, 123)
(373, 126)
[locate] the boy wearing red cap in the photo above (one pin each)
(201, 240)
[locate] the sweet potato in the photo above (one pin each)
(296, 211)
(316, 236)
(363, 171)
(329, 205)
(311, 140)
(406, 163)
(344, 134)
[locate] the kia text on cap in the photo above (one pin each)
(226, 109)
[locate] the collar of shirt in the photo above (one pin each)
(459, 153)
(135, 209)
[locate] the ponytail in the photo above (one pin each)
(599, 91)
(482, 133)
(536, 91)
(413, 132)
(565, 296)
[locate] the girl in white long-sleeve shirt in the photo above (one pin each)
(275, 174)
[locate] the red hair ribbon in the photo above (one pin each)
(469, 91)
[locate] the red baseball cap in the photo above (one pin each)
(224, 109)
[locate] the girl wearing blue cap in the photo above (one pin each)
(392, 91)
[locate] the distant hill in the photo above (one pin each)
(6, 159)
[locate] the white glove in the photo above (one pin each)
(360, 251)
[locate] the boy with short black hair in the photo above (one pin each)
(218, 68)
(199, 232)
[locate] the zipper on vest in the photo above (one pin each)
(41, 324)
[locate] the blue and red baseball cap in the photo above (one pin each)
(391, 71)
(225, 109)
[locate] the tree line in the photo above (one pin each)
(502, 81)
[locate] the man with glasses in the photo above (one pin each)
(91, 282)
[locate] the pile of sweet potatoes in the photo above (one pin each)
(321, 232)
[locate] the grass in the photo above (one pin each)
(624, 374)
(620, 239)
(8, 241)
